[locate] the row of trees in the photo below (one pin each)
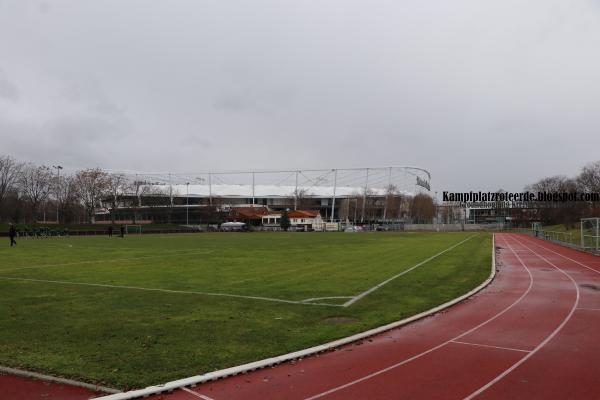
(569, 213)
(31, 193)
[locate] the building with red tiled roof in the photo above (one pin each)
(303, 214)
(249, 215)
(306, 220)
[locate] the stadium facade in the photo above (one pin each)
(355, 194)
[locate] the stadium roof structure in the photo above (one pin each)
(333, 182)
(267, 191)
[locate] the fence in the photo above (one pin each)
(568, 239)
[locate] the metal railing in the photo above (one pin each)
(562, 238)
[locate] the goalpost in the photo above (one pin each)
(590, 234)
(536, 228)
(133, 229)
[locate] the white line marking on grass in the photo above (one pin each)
(199, 395)
(325, 298)
(489, 345)
(379, 285)
(102, 285)
(398, 364)
(544, 342)
(211, 376)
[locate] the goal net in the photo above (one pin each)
(590, 234)
(133, 229)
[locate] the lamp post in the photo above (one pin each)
(436, 209)
(187, 203)
(58, 168)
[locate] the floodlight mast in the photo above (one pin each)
(187, 203)
(296, 192)
(362, 215)
(170, 190)
(385, 206)
(210, 188)
(58, 168)
(333, 201)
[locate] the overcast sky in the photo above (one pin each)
(484, 94)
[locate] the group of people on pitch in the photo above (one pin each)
(121, 231)
(34, 233)
(12, 233)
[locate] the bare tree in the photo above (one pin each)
(35, 183)
(344, 209)
(303, 199)
(392, 201)
(355, 201)
(589, 178)
(588, 181)
(137, 188)
(9, 174)
(117, 186)
(155, 196)
(91, 185)
(67, 199)
(373, 206)
(553, 212)
(422, 208)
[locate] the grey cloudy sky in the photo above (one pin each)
(484, 94)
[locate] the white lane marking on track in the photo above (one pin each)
(239, 296)
(489, 345)
(379, 285)
(563, 256)
(199, 395)
(391, 367)
(543, 343)
(588, 309)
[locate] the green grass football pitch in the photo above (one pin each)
(149, 308)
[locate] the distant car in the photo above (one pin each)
(233, 227)
(353, 229)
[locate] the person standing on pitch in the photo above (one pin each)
(12, 233)
(122, 231)
(110, 231)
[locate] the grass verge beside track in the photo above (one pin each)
(133, 338)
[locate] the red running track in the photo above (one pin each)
(17, 388)
(534, 333)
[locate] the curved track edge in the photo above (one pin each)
(268, 362)
(54, 379)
